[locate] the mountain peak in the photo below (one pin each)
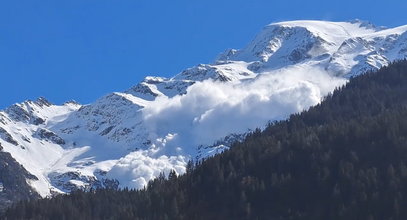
(322, 43)
(367, 24)
(41, 101)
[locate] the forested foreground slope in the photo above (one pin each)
(343, 159)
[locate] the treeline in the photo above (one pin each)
(345, 158)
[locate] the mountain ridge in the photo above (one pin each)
(125, 139)
(344, 158)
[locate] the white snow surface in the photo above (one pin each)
(161, 123)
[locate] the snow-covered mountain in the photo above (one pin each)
(125, 139)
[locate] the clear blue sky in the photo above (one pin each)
(83, 49)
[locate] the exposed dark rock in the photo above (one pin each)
(118, 133)
(18, 113)
(38, 121)
(299, 54)
(41, 101)
(49, 136)
(110, 184)
(7, 137)
(26, 139)
(13, 181)
(255, 66)
(223, 78)
(106, 131)
(143, 89)
(69, 130)
(2, 120)
(72, 102)
(69, 181)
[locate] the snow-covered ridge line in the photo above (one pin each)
(342, 48)
(128, 138)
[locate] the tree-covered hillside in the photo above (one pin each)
(343, 159)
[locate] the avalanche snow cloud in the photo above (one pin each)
(161, 123)
(211, 110)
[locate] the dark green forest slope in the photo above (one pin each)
(343, 159)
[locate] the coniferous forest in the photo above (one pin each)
(345, 158)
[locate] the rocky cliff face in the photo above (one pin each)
(14, 181)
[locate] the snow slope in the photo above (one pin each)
(125, 139)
